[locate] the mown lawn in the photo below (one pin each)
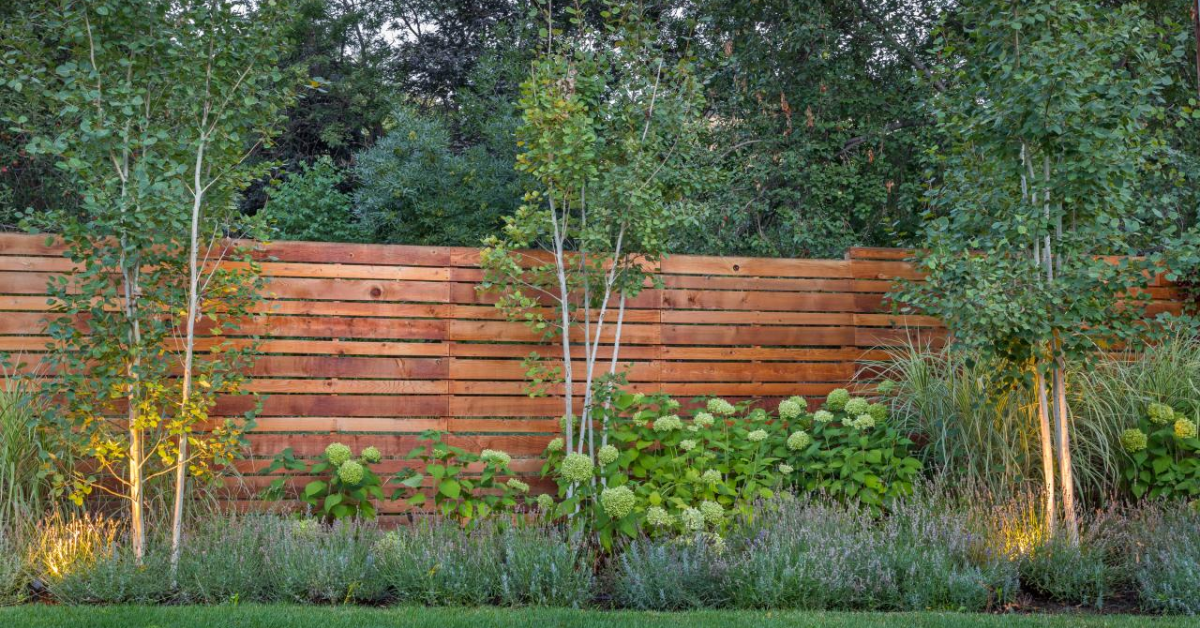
(282, 616)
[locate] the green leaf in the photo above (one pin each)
(450, 488)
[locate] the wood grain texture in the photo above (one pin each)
(372, 344)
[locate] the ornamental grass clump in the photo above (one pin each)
(14, 577)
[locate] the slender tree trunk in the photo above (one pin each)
(137, 530)
(1062, 426)
(1051, 511)
(565, 323)
(193, 307)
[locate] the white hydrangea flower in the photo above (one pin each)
(687, 444)
(607, 454)
(720, 407)
(757, 436)
(704, 420)
(692, 519)
(799, 440)
(617, 502)
(667, 423)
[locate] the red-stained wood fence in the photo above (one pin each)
(372, 344)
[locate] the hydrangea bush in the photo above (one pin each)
(457, 494)
(1162, 454)
(347, 486)
(681, 471)
(848, 451)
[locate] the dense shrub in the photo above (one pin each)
(310, 205)
(227, 559)
(326, 564)
(822, 554)
(664, 473)
(1164, 548)
(1081, 573)
(666, 575)
(435, 564)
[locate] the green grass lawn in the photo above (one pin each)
(404, 617)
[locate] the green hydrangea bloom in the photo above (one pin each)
(577, 468)
(1185, 428)
(789, 410)
(671, 405)
(886, 387)
(712, 476)
(371, 455)
(1160, 413)
(1133, 440)
(658, 517)
(799, 440)
(720, 407)
(692, 519)
(545, 502)
(863, 422)
(607, 454)
(687, 444)
(667, 423)
(555, 444)
(757, 436)
(495, 457)
(878, 411)
(639, 397)
(337, 453)
(704, 420)
(351, 472)
(837, 399)
(785, 468)
(857, 406)
(517, 485)
(617, 502)
(713, 513)
(822, 416)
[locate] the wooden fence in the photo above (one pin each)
(371, 344)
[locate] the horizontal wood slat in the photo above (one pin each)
(372, 344)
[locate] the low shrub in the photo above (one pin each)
(227, 559)
(347, 488)
(1072, 573)
(14, 577)
(818, 553)
(326, 564)
(543, 567)
(436, 563)
(118, 578)
(667, 575)
(433, 563)
(1164, 557)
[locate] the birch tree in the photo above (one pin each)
(1049, 108)
(609, 141)
(159, 103)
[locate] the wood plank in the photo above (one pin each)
(460, 330)
(356, 290)
(337, 327)
(354, 308)
(755, 267)
(757, 372)
(500, 370)
(351, 367)
(343, 253)
(756, 335)
(718, 317)
(349, 386)
(327, 405)
(764, 301)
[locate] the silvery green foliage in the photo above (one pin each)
(326, 564)
(117, 578)
(675, 574)
(13, 580)
(436, 564)
(820, 554)
(1165, 558)
(228, 559)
